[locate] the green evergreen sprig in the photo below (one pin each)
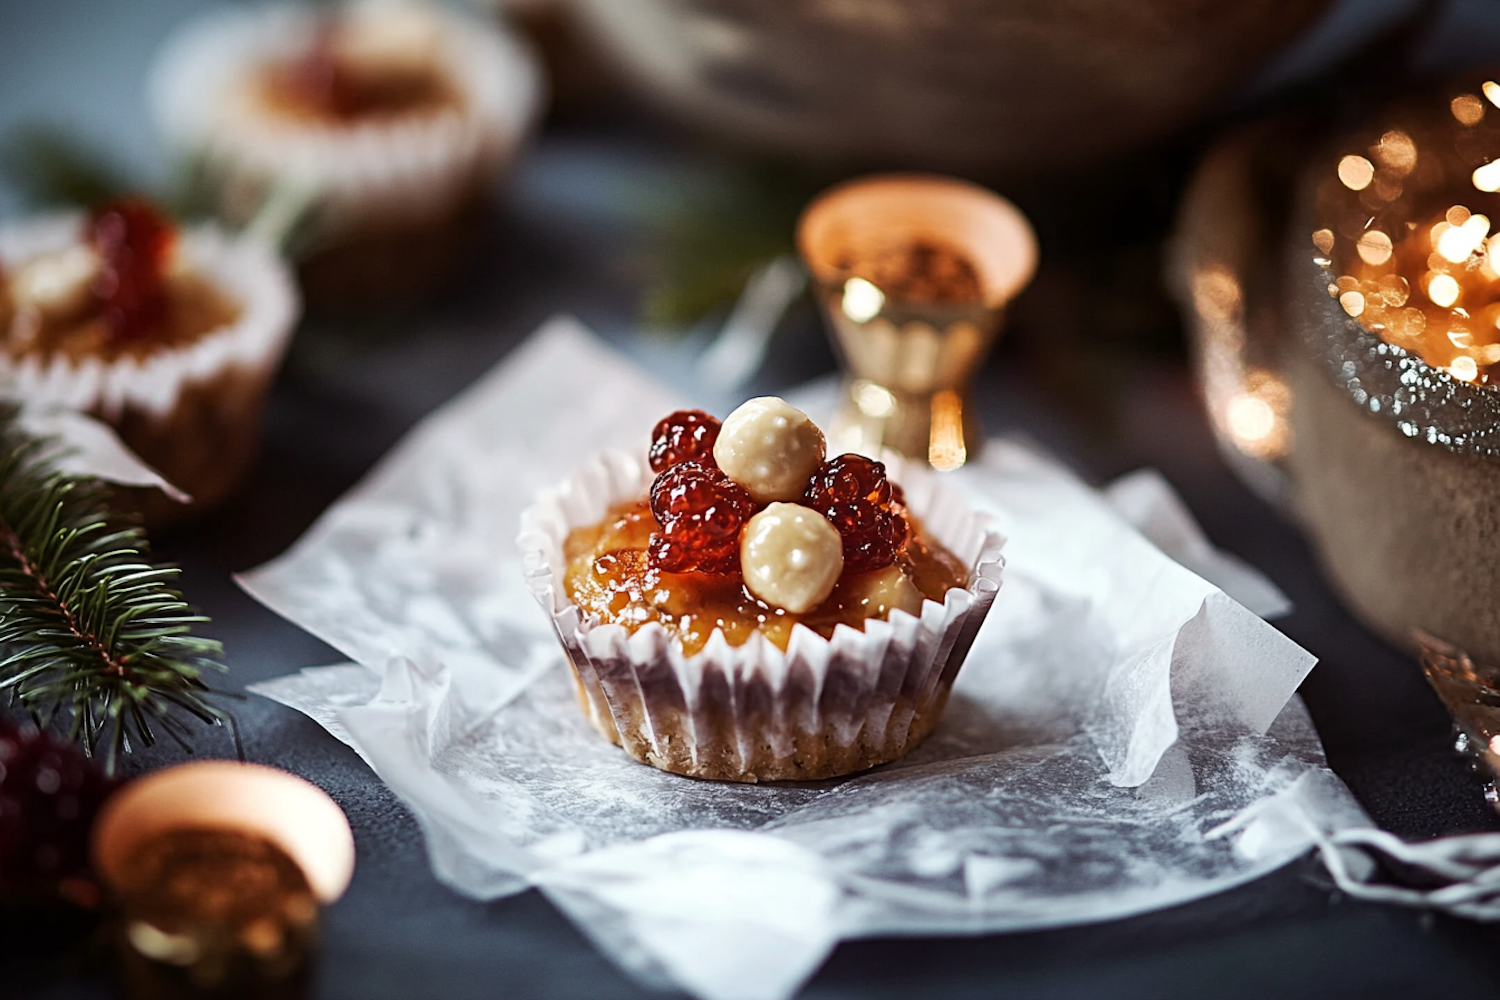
(92, 636)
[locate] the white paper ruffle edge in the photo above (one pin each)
(247, 271)
(746, 710)
(412, 167)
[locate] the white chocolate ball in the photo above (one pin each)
(58, 283)
(791, 557)
(398, 39)
(771, 448)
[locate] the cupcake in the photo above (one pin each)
(738, 606)
(171, 336)
(390, 118)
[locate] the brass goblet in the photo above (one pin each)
(913, 273)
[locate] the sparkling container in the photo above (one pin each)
(1349, 364)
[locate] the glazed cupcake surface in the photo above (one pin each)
(386, 111)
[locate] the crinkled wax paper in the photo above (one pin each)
(1123, 736)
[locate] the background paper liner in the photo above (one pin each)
(751, 711)
(414, 167)
(1122, 738)
(248, 272)
(83, 446)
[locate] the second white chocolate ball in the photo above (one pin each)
(56, 284)
(770, 448)
(791, 557)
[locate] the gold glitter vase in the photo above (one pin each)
(913, 273)
(1350, 364)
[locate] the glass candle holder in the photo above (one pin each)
(913, 273)
(219, 869)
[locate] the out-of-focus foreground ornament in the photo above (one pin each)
(50, 791)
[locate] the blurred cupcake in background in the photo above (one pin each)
(171, 336)
(387, 120)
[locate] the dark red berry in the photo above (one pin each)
(323, 81)
(868, 510)
(684, 436)
(683, 547)
(49, 793)
(134, 242)
(690, 489)
(700, 512)
(849, 477)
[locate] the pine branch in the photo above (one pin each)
(50, 167)
(91, 633)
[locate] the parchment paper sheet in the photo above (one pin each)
(1123, 737)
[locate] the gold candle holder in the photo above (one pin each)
(219, 869)
(913, 273)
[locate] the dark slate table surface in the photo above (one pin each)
(564, 239)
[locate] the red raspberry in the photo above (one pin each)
(849, 477)
(134, 242)
(853, 493)
(681, 547)
(684, 436)
(872, 536)
(700, 511)
(691, 489)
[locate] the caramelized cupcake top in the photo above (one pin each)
(120, 291)
(367, 64)
(748, 529)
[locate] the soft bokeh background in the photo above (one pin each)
(1099, 378)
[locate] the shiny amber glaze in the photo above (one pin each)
(194, 309)
(609, 575)
(323, 88)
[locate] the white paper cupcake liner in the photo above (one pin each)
(248, 272)
(408, 168)
(753, 712)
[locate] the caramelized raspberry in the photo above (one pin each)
(853, 493)
(700, 511)
(134, 242)
(691, 489)
(849, 477)
(872, 536)
(322, 80)
(683, 546)
(684, 436)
